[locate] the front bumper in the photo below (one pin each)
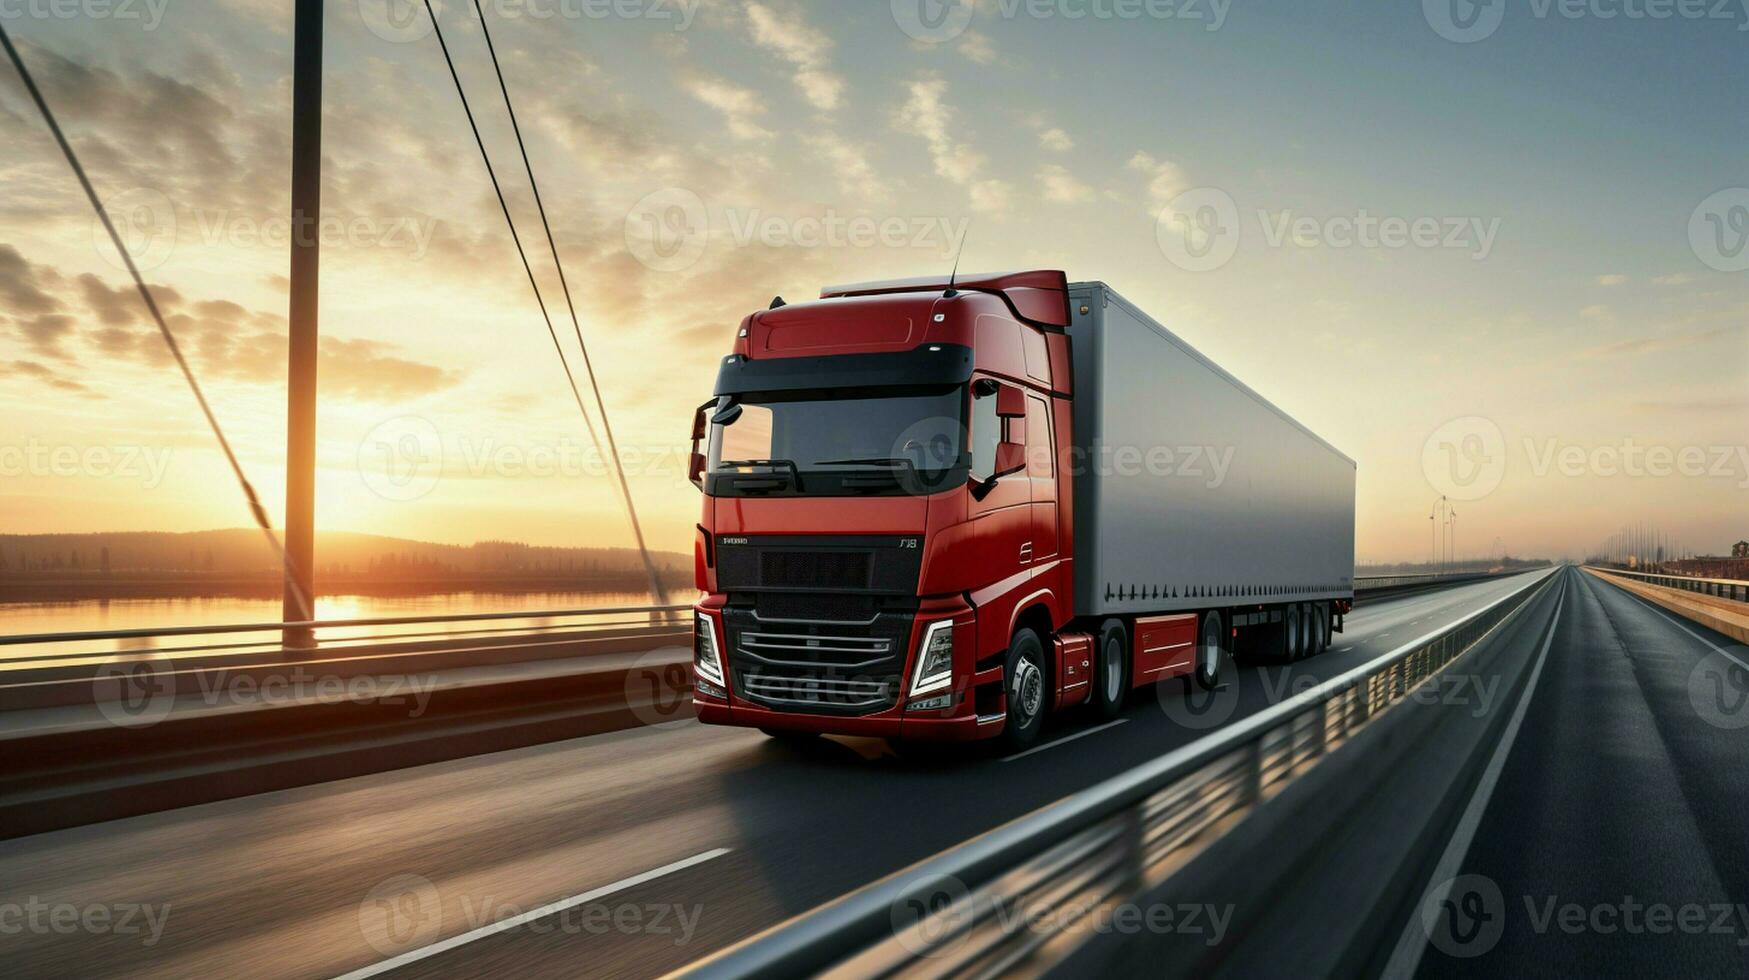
(957, 722)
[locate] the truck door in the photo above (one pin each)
(1041, 472)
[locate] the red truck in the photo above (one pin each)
(945, 508)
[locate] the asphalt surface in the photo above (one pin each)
(1615, 841)
(628, 854)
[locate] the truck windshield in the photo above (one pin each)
(845, 442)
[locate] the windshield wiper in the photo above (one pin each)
(896, 462)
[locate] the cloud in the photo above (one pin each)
(46, 331)
(805, 48)
(850, 165)
(1653, 345)
(926, 114)
(1061, 186)
(1165, 180)
(1611, 279)
(739, 106)
(1056, 140)
(978, 48)
(367, 370)
(46, 375)
(21, 284)
(1674, 279)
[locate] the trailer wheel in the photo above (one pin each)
(1027, 689)
(1296, 634)
(1209, 652)
(1320, 627)
(1111, 669)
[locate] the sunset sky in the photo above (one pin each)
(1583, 300)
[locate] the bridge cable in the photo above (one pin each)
(503, 206)
(588, 364)
(259, 512)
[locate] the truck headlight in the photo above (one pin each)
(934, 659)
(707, 662)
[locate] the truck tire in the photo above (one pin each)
(1294, 632)
(1027, 689)
(1320, 627)
(1209, 651)
(1111, 669)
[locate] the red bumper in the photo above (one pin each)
(888, 724)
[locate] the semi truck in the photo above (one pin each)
(945, 508)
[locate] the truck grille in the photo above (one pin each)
(814, 569)
(825, 668)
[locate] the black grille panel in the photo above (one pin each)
(864, 564)
(814, 569)
(828, 607)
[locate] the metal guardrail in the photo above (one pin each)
(976, 910)
(1722, 588)
(335, 631)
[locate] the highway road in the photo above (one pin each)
(1611, 835)
(627, 854)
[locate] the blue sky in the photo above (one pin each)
(1568, 155)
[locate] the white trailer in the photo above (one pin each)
(1191, 490)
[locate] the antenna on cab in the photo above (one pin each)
(958, 251)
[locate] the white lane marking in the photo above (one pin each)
(1406, 958)
(1061, 741)
(1344, 649)
(443, 945)
(1671, 618)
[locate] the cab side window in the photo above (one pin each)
(986, 433)
(1040, 461)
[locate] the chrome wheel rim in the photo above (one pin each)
(1029, 690)
(1113, 669)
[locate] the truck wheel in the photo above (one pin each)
(1027, 689)
(1111, 669)
(1320, 627)
(1209, 652)
(1290, 625)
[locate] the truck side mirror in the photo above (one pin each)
(1010, 458)
(695, 462)
(1010, 402)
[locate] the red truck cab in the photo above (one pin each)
(886, 540)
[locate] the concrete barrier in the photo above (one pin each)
(1725, 616)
